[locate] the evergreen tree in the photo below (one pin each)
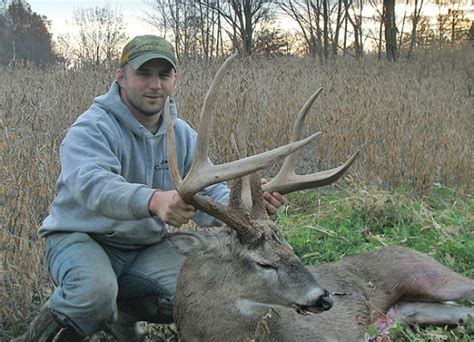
(24, 35)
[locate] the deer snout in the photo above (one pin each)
(324, 301)
(317, 300)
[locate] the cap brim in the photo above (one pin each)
(142, 59)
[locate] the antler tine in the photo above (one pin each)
(206, 115)
(287, 180)
(290, 161)
(240, 143)
(203, 172)
(291, 182)
(172, 161)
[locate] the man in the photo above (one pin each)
(103, 237)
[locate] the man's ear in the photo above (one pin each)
(120, 76)
(177, 79)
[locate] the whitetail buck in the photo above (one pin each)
(246, 283)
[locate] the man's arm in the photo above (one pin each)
(91, 172)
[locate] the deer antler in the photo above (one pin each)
(203, 173)
(287, 180)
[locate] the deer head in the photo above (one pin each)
(249, 266)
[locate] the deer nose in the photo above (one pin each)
(324, 301)
(317, 300)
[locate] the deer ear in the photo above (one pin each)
(188, 243)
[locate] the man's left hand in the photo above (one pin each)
(272, 200)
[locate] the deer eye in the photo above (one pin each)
(266, 266)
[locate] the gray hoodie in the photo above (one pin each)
(110, 167)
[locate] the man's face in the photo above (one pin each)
(145, 90)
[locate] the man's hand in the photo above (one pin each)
(272, 200)
(171, 208)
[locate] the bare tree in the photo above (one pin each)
(243, 17)
(357, 7)
(101, 33)
(338, 25)
(307, 16)
(321, 23)
(194, 26)
(418, 5)
(378, 20)
(390, 30)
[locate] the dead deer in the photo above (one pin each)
(246, 283)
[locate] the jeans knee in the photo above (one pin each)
(101, 297)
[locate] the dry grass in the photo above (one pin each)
(414, 118)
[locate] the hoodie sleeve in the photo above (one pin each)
(90, 170)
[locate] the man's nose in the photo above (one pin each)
(155, 83)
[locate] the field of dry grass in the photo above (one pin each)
(414, 120)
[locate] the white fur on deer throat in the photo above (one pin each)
(247, 307)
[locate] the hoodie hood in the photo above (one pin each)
(112, 102)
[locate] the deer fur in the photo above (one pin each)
(223, 296)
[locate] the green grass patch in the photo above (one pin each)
(327, 225)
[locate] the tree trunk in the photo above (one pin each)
(415, 19)
(382, 19)
(325, 29)
(335, 42)
(390, 30)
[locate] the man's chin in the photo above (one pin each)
(151, 111)
(150, 114)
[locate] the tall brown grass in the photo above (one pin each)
(413, 118)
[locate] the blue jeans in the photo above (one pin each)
(94, 281)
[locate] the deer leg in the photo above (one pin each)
(440, 314)
(417, 277)
(437, 283)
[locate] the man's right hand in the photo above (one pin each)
(170, 208)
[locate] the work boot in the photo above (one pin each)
(43, 328)
(68, 334)
(46, 328)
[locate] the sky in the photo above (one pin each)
(60, 13)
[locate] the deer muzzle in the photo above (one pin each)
(317, 301)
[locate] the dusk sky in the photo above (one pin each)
(60, 13)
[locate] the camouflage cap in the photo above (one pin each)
(141, 49)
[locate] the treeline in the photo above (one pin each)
(24, 35)
(208, 29)
(325, 28)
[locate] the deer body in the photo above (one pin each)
(217, 302)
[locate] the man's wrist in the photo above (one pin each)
(152, 202)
